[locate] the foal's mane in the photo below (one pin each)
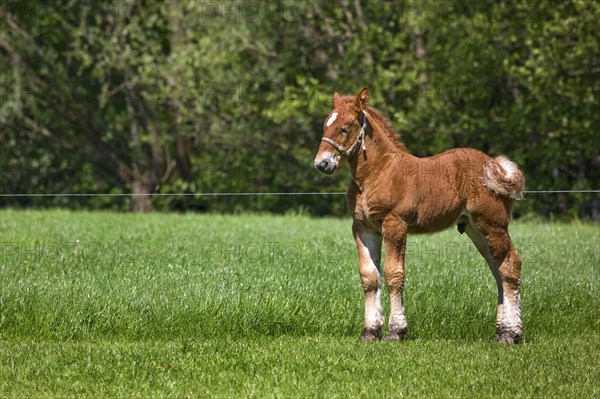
(381, 120)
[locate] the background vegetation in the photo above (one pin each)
(229, 96)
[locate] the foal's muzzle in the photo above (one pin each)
(326, 165)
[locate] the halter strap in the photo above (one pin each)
(360, 139)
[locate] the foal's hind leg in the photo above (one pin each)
(494, 244)
(368, 244)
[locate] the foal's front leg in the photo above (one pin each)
(368, 244)
(395, 248)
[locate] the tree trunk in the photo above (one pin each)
(183, 143)
(141, 198)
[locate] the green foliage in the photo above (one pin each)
(230, 96)
(102, 305)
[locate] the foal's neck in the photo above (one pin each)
(379, 150)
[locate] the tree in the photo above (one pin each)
(230, 96)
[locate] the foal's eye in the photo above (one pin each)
(345, 130)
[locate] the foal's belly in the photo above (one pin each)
(437, 211)
(432, 223)
(434, 213)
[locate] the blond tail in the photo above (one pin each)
(504, 177)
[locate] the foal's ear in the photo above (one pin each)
(361, 99)
(337, 99)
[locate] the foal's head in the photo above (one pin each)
(342, 131)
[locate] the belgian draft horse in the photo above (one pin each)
(393, 193)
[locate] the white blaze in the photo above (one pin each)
(331, 119)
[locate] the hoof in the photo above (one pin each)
(395, 337)
(507, 336)
(396, 334)
(370, 335)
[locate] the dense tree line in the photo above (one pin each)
(230, 96)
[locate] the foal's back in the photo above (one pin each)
(432, 193)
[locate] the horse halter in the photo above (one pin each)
(359, 140)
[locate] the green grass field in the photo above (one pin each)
(166, 305)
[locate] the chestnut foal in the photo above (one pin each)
(393, 193)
